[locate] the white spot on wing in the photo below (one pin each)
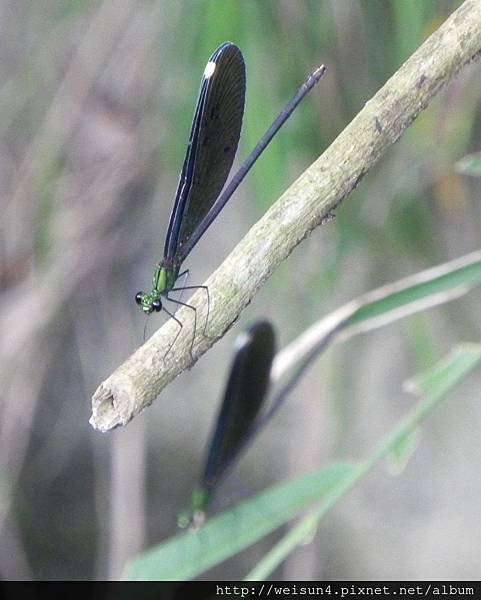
(209, 69)
(242, 340)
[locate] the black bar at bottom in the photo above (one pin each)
(217, 590)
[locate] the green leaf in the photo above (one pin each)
(402, 451)
(379, 307)
(447, 373)
(191, 553)
(434, 386)
(465, 271)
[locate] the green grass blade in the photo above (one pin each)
(384, 305)
(434, 386)
(447, 373)
(191, 553)
(461, 273)
(401, 453)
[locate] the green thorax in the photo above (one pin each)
(164, 278)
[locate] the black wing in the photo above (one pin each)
(244, 394)
(212, 145)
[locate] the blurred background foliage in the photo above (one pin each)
(96, 102)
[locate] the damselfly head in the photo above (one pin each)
(194, 516)
(148, 302)
(192, 520)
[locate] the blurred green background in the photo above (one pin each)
(96, 102)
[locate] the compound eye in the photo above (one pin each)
(138, 297)
(157, 305)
